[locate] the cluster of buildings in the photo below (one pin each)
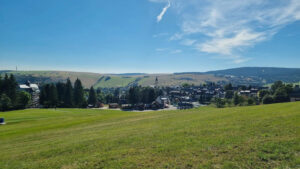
(182, 97)
(186, 97)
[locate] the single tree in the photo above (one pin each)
(60, 87)
(236, 99)
(23, 99)
(1, 83)
(228, 87)
(262, 94)
(53, 100)
(12, 93)
(251, 101)
(276, 85)
(151, 95)
(5, 103)
(92, 100)
(79, 99)
(229, 94)
(220, 103)
(281, 95)
(68, 94)
(268, 99)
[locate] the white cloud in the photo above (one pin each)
(226, 45)
(161, 49)
(163, 12)
(168, 50)
(176, 51)
(188, 42)
(228, 27)
(239, 60)
(176, 36)
(160, 35)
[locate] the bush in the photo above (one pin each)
(23, 100)
(5, 103)
(281, 95)
(229, 94)
(262, 94)
(251, 101)
(268, 99)
(220, 103)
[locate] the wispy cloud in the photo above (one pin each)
(160, 35)
(229, 27)
(168, 50)
(163, 12)
(176, 51)
(161, 49)
(188, 42)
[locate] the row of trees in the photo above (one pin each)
(144, 95)
(65, 95)
(278, 93)
(10, 97)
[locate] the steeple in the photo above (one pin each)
(156, 82)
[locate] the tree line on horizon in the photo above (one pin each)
(64, 95)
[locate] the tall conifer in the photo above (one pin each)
(78, 94)
(92, 97)
(68, 97)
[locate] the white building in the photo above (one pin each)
(34, 90)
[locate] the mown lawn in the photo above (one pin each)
(244, 137)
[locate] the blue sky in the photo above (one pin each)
(151, 36)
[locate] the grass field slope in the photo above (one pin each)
(87, 79)
(238, 76)
(265, 136)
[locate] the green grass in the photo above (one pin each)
(270, 84)
(265, 136)
(87, 79)
(96, 80)
(115, 81)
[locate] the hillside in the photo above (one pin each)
(112, 80)
(262, 74)
(243, 137)
(87, 79)
(238, 76)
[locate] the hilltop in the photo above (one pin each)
(239, 76)
(241, 137)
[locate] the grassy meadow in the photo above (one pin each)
(265, 136)
(111, 80)
(88, 79)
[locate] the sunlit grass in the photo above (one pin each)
(242, 137)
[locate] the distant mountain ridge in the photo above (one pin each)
(266, 74)
(237, 76)
(256, 71)
(259, 74)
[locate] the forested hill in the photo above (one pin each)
(256, 74)
(257, 71)
(238, 76)
(268, 74)
(88, 79)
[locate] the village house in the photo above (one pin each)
(34, 90)
(163, 101)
